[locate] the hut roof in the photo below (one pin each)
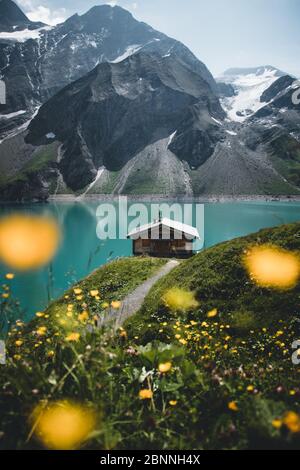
(189, 231)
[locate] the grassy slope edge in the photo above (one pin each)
(242, 357)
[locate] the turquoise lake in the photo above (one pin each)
(81, 251)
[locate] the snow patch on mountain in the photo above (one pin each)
(128, 52)
(24, 35)
(12, 115)
(248, 88)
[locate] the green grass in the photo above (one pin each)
(286, 158)
(115, 280)
(242, 355)
(40, 160)
(107, 186)
(219, 279)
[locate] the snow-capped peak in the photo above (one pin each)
(249, 85)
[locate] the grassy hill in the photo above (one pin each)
(215, 372)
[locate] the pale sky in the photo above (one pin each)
(221, 33)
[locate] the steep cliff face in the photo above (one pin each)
(38, 68)
(107, 117)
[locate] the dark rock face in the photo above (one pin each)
(107, 117)
(37, 69)
(280, 85)
(196, 136)
(13, 19)
(225, 90)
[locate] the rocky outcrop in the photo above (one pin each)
(37, 69)
(13, 19)
(107, 117)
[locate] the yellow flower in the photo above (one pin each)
(10, 276)
(39, 314)
(180, 299)
(292, 393)
(105, 305)
(145, 394)
(123, 334)
(41, 331)
(63, 425)
(5, 296)
(28, 242)
(173, 402)
(116, 304)
(166, 367)
(50, 353)
(183, 341)
(79, 297)
(292, 421)
(94, 293)
(233, 406)
(73, 337)
(77, 291)
(277, 423)
(273, 267)
(18, 343)
(17, 357)
(84, 316)
(213, 313)
(250, 388)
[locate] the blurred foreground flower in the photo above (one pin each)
(233, 406)
(273, 267)
(213, 313)
(165, 367)
(145, 394)
(292, 421)
(10, 276)
(116, 304)
(180, 299)
(73, 337)
(63, 425)
(28, 242)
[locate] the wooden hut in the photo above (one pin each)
(164, 238)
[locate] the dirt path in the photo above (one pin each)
(133, 302)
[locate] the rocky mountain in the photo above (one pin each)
(104, 104)
(150, 125)
(37, 68)
(118, 109)
(12, 19)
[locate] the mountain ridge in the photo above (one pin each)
(104, 104)
(12, 18)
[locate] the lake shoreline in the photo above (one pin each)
(186, 199)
